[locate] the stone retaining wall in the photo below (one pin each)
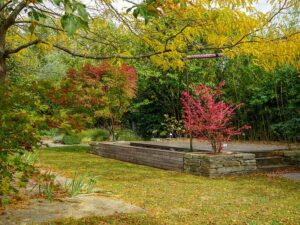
(210, 165)
(163, 159)
(291, 157)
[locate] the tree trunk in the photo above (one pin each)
(191, 142)
(2, 55)
(113, 130)
(2, 69)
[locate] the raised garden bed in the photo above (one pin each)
(199, 163)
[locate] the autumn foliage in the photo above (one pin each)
(207, 117)
(100, 91)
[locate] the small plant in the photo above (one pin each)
(46, 185)
(29, 158)
(91, 185)
(76, 186)
(79, 185)
(48, 191)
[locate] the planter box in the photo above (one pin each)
(205, 164)
(163, 159)
(214, 165)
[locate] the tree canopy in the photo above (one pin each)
(167, 32)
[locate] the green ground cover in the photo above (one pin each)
(177, 198)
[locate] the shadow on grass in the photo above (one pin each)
(74, 149)
(118, 219)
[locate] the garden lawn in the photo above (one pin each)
(177, 198)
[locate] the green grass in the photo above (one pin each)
(178, 198)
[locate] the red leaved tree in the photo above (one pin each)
(102, 91)
(207, 117)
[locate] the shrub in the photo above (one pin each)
(127, 135)
(71, 139)
(287, 130)
(96, 134)
(207, 117)
(58, 139)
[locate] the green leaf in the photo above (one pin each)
(31, 28)
(36, 15)
(57, 2)
(69, 23)
(82, 12)
(68, 7)
(136, 12)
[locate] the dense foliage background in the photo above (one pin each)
(270, 98)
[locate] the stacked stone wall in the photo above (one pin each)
(163, 159)
(205, 164)
(212, 165)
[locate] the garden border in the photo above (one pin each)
(205, 164)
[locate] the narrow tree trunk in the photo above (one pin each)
(191, 142)
(2, 69)
(113, 130)
(2, 55)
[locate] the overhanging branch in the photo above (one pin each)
(13, 15)
(204, 56)
(21, 47)
(5, 5)
(146, 55)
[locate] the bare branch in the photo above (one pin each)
(21, 47)
(13, 15)
(175, 35)
(61, 30)
(148, 55)
(204, 56)
(282, 7)
(39, 24)
(45, 11)
(5, 5)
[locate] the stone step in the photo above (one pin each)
(270, 160)
(273, 167)
(265, 154)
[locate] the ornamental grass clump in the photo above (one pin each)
(207, 117)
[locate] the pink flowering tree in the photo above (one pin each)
(207, 117)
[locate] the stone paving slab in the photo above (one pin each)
(291, 176)
(42, 211)
(231, 146)
(36, 211)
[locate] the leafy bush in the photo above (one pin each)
(209, 118)
(96, 134)
(288, 130)
(15, 168)
(21, 118)
(172, 126)
(127, 135)
(71, 139)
